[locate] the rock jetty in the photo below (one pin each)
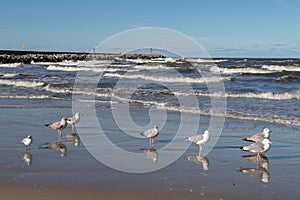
(29, 56)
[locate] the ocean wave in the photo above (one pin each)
(10, 75)
(249, 95)
(76, 69)
(28, 84)
(11, 65)
(170, 79)
(70, 91)
(247, 70)
(279, 68)
(28, 97)
(150, 67)
(245, 116)
(203, 60)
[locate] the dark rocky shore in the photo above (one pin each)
(31, 56)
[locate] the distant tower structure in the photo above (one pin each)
(23, 46)
(150, 51)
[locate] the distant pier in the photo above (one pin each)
(31, 56)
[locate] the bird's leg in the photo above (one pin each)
(258, 159)
(59, 136)
(73, 128)
(200, 149)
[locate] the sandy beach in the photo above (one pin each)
(79, 174)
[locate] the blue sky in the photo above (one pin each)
(225, 28)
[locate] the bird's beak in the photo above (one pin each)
(270, 142)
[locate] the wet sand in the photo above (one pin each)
(8, 192)
(78, 174)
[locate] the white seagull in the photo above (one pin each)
(73, 120)
(151, 133)
(258, 147)
(59, 126)
(259, 137)
(199, 139)
(27, 141)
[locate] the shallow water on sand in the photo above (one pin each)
(216, 173)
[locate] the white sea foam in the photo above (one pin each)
(11, 65)
(76, 69)
(247, 70)
(205, 60)
(9, 75)
(150, 67)
(170, 79)
(165, 106)
(281, 68)
(27, 97)
(29, 84)
(53, 89)
(249, 95)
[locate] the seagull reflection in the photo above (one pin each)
(74, 137)
(199, 160)
(27, 158)
(260, 171)
(150, 153)
(260, 160)
(59, 146)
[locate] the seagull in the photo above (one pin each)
(259, 137)
(199, 139)
(27, 141)
(258, 147)
(59, 126)
(73, 120)
(151, 133)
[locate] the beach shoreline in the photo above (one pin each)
(33, 192)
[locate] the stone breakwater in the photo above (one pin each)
(28, 57)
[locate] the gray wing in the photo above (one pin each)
(256, 147)
(195, 138)
(259, 137)
(151, 133)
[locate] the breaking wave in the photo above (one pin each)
(28, 84)
(170, 79)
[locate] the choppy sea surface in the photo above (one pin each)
(254, 93)
(254, 89)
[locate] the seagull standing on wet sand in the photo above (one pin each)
(59, 126)
(73, 120)
(259, 137)
(151, 133)
(27, 141)
(199, 139)
(258, 147)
